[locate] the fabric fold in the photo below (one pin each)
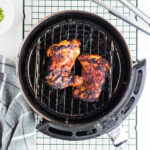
(17, 120)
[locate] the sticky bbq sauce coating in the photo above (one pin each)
(63, 55)
(94, 72)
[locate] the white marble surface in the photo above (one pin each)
(10, 43)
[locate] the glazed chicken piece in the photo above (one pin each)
(94, 71)
(64, 55)
(77, 81)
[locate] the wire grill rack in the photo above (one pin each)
(35, 10)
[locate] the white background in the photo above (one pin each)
(9, 46)
(144, 103)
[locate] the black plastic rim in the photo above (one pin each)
(50, 20)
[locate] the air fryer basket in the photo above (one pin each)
(69, 118)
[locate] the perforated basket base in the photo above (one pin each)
(37, 9)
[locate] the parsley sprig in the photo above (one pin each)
(1, 14)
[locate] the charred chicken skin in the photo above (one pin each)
(63, 55)
(94, 72)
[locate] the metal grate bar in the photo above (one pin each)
(91, 40)
(56, 100)
(98, 44)
(76, 35)
(57, 92)
(111, 69)
(49, 97)
(44, 57)
(105, 48)
(37, 63)
(60, 32)
(28, 68)
(83, 38)
(64, 101)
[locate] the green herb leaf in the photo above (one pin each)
(1, 14)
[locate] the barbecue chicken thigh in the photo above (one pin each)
(94, 71)
(63, 55)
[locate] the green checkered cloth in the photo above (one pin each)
(17, 121)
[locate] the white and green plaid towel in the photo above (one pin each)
(17, 121)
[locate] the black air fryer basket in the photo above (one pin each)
(65, 117)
